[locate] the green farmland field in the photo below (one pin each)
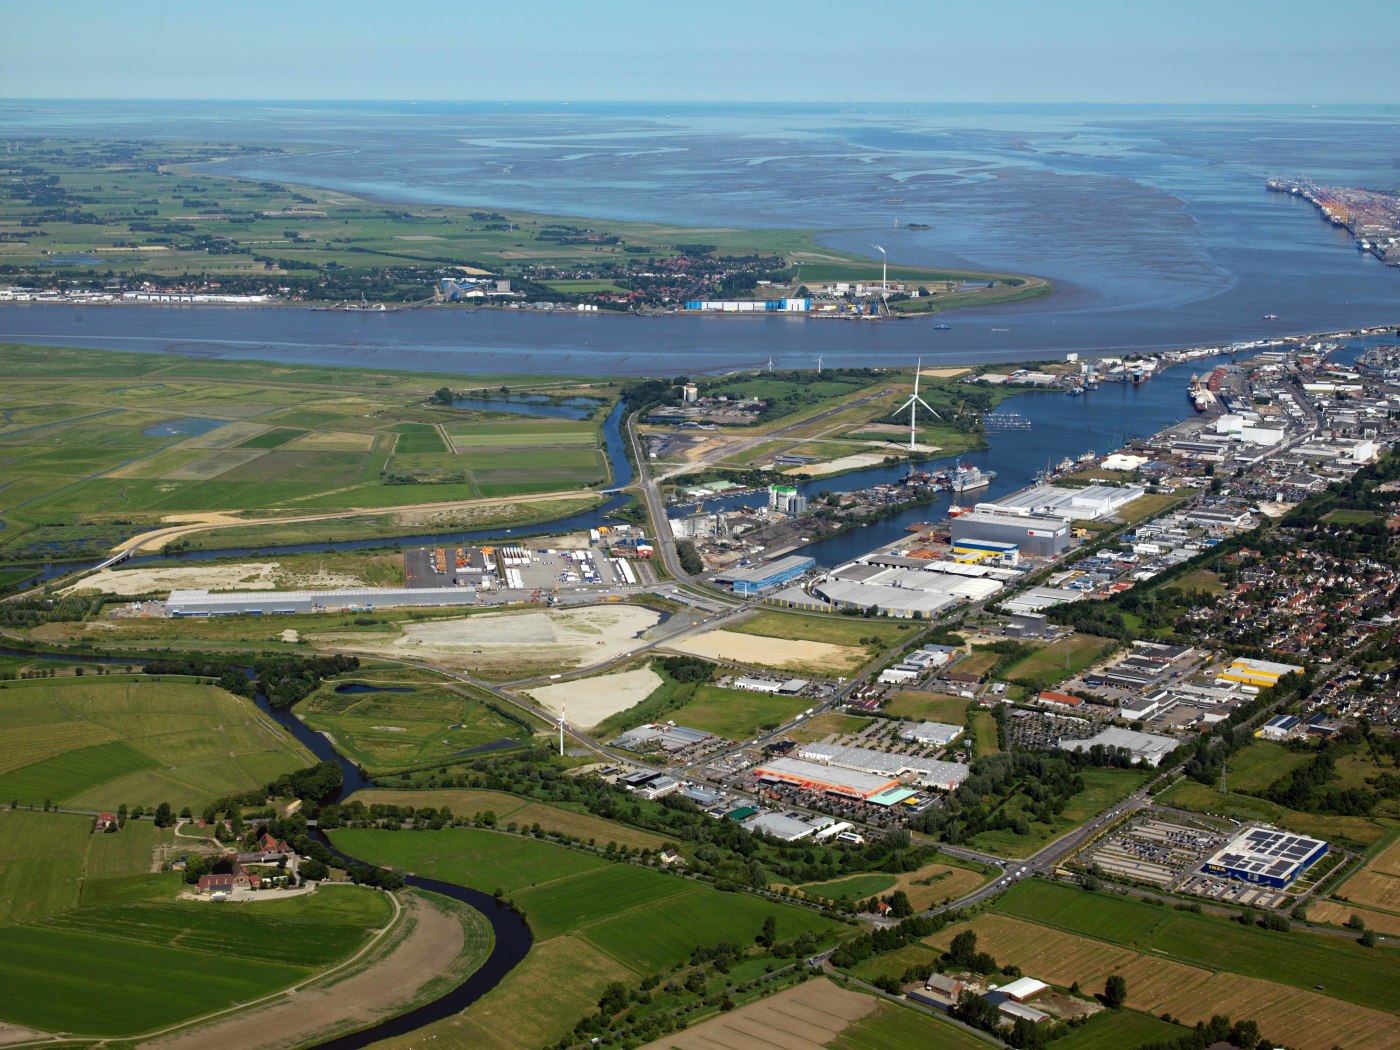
(77, 908)
(557, 884)
(1356, 974)
(101, 445)
(857, 887)
(892, 1027)
(426, 722)
(174, 742)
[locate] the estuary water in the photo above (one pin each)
(1153, 222)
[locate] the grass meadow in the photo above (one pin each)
(176, 742)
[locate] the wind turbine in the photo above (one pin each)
(913, 405)
(819, 364)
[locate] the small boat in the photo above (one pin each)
(942, 327)
(1271, 317)
(894, 200)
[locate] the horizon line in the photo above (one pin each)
(703, 102)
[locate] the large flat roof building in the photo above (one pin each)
(755, 579)
(945, 775)
(1266, 856)
(1146, 747)
(202, 603)
(814, 777)
(1035, 535)
(1062, 501)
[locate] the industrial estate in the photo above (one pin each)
(828, 707)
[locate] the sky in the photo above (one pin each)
(1098, 51)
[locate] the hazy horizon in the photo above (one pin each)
(1088, 52)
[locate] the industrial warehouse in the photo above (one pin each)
(355, 599)
(1266, 856)
(905, 588)
(756, 579)
(925, 771)
(1036, 535)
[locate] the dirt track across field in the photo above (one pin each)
(377, 991)
(808, 1016)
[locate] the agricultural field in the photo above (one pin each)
(1115, 1029)
(854, 887)
(1352, 973)
(397, 723)
(177, 960)
(892, 1027)
(595, 922)
(1375, 885)
(75, 907)
(104, 446)
(95, 744)
(512, 809)
(1185, 978)
(1102, 788)
(805, 1016)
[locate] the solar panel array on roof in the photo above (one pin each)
(1266, 855)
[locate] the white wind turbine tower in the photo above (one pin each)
(819, 364)
(913, 406)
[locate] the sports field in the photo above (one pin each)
(398, 724)
(97, 446)
(595, 922)
(92, 743)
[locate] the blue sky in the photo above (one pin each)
(896, 50)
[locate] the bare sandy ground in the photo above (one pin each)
(529, 642)
(244, 576)
(808, 1016)
(430, 947)
(589, 701)
(770, 652)
(857, 462)
(13, 1033)
(943, 373)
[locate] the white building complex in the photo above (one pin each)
(925, 771)
(908, 587)
(1146, 747)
